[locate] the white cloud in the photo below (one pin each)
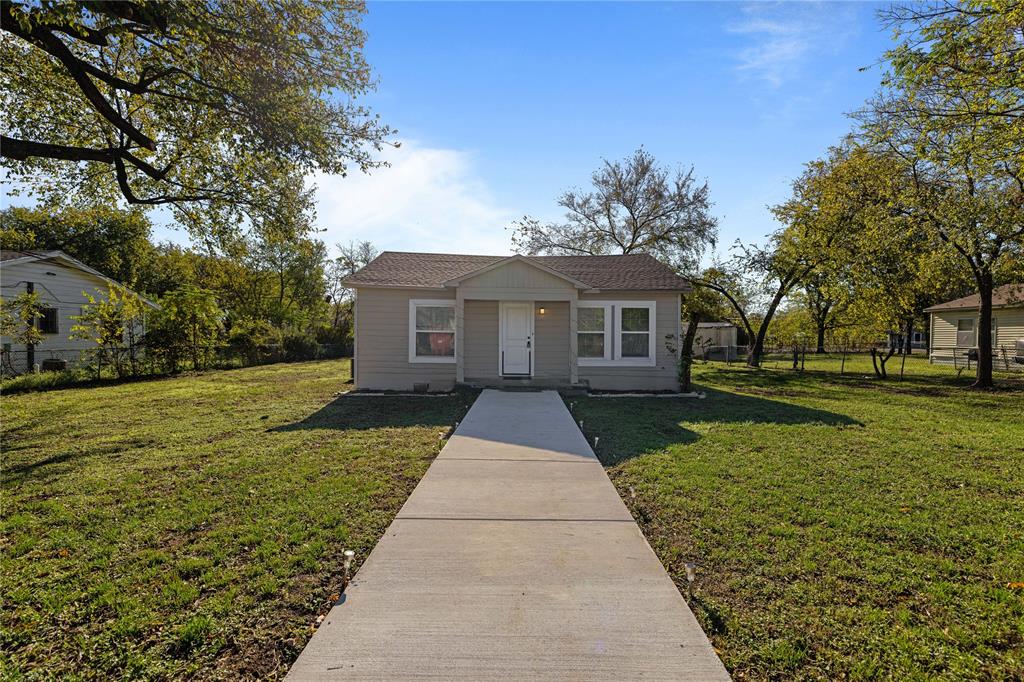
(429, 199)
(784, 36)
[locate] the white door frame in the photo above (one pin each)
(530, 335)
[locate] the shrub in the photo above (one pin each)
(248, 338)
(298, 346)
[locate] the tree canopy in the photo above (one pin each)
(635, 206)
(113, 241)
(216, 109)
(950, 115)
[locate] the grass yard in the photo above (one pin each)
(194, 526)
(844, 528)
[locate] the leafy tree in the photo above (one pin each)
(113, 241)
(951, 115)
(350, 258)
(217, 109)
(18, 317)
(700, 305)
(826, 298)
(635, 206)
(188, 325)
(114, 322)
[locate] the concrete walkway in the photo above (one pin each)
(514, 558)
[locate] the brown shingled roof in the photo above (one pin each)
(1008, 294)
(625, 272)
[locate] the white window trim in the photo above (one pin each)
(974, 332)
(652, 330)
(607, 359)
(613, 335)
(439, 303)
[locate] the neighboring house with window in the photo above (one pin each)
(60, 282)
(953, 329)
(431, 321)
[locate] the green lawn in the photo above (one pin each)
(844, 528)
(194, 526)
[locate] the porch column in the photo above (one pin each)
(574, 372)
(460, 335)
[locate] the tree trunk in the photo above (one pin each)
(757, 349)
(907, 347)
(686, 354)
(820, 350)
(984, 376)
(878, 361)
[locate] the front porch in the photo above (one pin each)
(514, 342)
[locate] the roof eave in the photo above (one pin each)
(376, 285)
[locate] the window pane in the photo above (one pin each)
(435, 344)
(46, 323)
(635, 319)
(590, 319)
(965, 325)
(435, 317)
(635, 345)
(590, 345)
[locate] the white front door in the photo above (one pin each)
(515, 338)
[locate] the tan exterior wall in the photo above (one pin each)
(550, 346)
(480, 349)
(1009, 326)
(382, 342)
(60, 287)
(664, 375)
(551, 336)
(518, 276)
(518, 282)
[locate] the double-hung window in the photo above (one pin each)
(615, 333)
(965, 332)
(593, 332)
(634, 329)
(431, 331)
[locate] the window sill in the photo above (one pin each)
(416, 360)
(596, 362)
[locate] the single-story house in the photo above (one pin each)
(953, 328)
(435, 320)
(60, 282)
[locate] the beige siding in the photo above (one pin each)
(60, 287)
(517, 281)
(382, 340)
(663, 376)
(516, 275)
(480, 347)
(1009, 326)
(551, 347)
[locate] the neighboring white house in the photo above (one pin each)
(716, 341)
(60, 282)
(953, 329)
(431, 321)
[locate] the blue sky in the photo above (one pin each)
(501, 106)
